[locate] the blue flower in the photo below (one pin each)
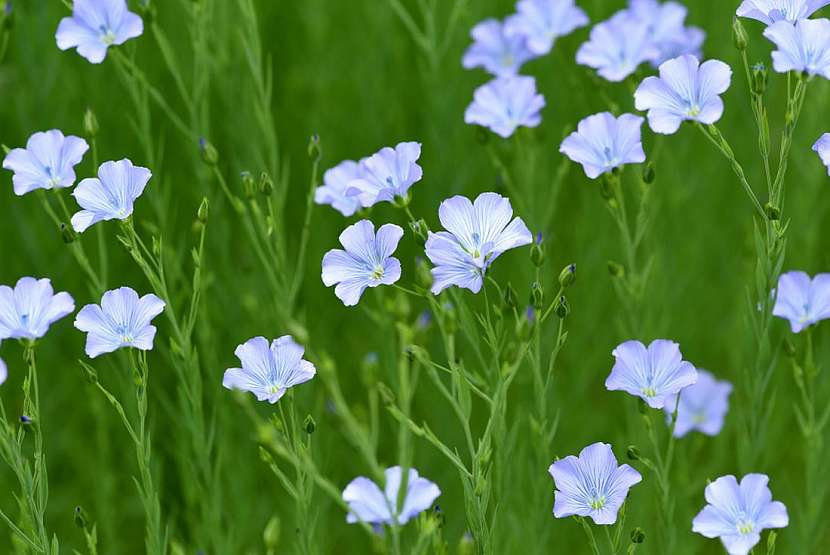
(111, 195)
(368, 503)
(541, 22)
(618, 46)
(494, 50)
(47, 162)
(801, 300)
(822, 148)
(476, 235)
(804, 46)
(268, 371)
(335, 186)
(653, 374)
(386, 175)
(4, 373)
(667, 30)
(702, 407)
(505, 103)
(27, 311)
(96, 25)
(603, 142)
(738, 513)
(591, 484)
(770, 11)
(685, 91)
(366, 262)
(122, 320)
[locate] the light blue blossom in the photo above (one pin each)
(770, 11)
(653, 374)
(122, 320)
(4, 372)
(541, 22)
(27, 311)
(477, 233)
(603, 142)
(47, 162)
(335, 186)
(269, 370)
(822, 148)
(506, 103)
(111, 195)
(685, 91)
(618, 46)
(368, 503)
(667, 30)
(738, 513)
(96, 25)
(366, 262)
(801, 300)
(591, 484)
(494, 50)
(702, 407)
(386, 175)
(804, 46)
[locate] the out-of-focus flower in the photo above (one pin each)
(122, 320)
(336, 184)
(541, 22)
(618, 46)
(738, 513)
(603, 142)
(702, 407)
(770, 11)
(801, 300)
(685, 91)
(494, 50)
(386, 175)
(804, 46)
(506, 103)
(822, 148)
(368, 503)
(27, 311)
(477, 233)
(269, 370)
(591, 484)
(367, 260)
(667, 28)
(96, 25)
(653, 374)
(111, 195)
(47, 162)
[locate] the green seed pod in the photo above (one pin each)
(567, 276)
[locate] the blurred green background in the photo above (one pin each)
(350, 72)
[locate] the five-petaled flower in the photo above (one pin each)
(368, 503)
(111, 195)
(685, 91)
(616, 47)
(122, 320)
(738, 513)
(477, 233)
(603, 142)
(27, 311)
(367, 260)
(335, 186)
(801, 300)
(804, 46)
(541, 22)
(506, 103)
(387, 175)
(653, 374)
(591, 484)
(770, 11)
(495, 50)
(667, 30)
(96, 25)
(822, 148)
(268, 371)
(702, 407)
(47, 162)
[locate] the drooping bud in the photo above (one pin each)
(567, 276)
(537, 251)
(739, 37)
(204, 209)
(90, 123)
(210, 155)
(310, 425)
(266, 185)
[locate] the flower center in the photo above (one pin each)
(377, 273)
(648, 391)
(598, 502)
(106, 34)
(274, 389)
(507, 60)
(745, 526)
(693, 111)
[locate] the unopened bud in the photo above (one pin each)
(67, 234)
(760, 75)
(773, 212)
(562, 307)
(90, 123)
(633, 453)
(266, 186)
(422, 272)
(203, 211)
(537, 251)
(80, 517)
(248, 185)
(310, 425)
(615, 269)
(8, 15)
(568, 275)
(25, 420)
(314, 149)
(537, 295)
(637, 535)
(739, 36)
(271, 534)
(421, 231)
(210, 155)
(649, 174)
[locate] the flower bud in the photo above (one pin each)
(562, 307)
(314, 149)
(637, 535)
(760, 76)
(739, 36)
(80, 517)
(90, 123)
(423, 276)
(8, 15)
(25, 420)
(466, 545)
(266, 186)
(773, 212)
(421, 231)
(248, 185)
(271, 534)
(310, 425)
(210, 155)
(537, 251)
(67, 234)
(649, 174)
(615, 269)
(633, 453)
(204, 209)
(567, 276)
(537, 295)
